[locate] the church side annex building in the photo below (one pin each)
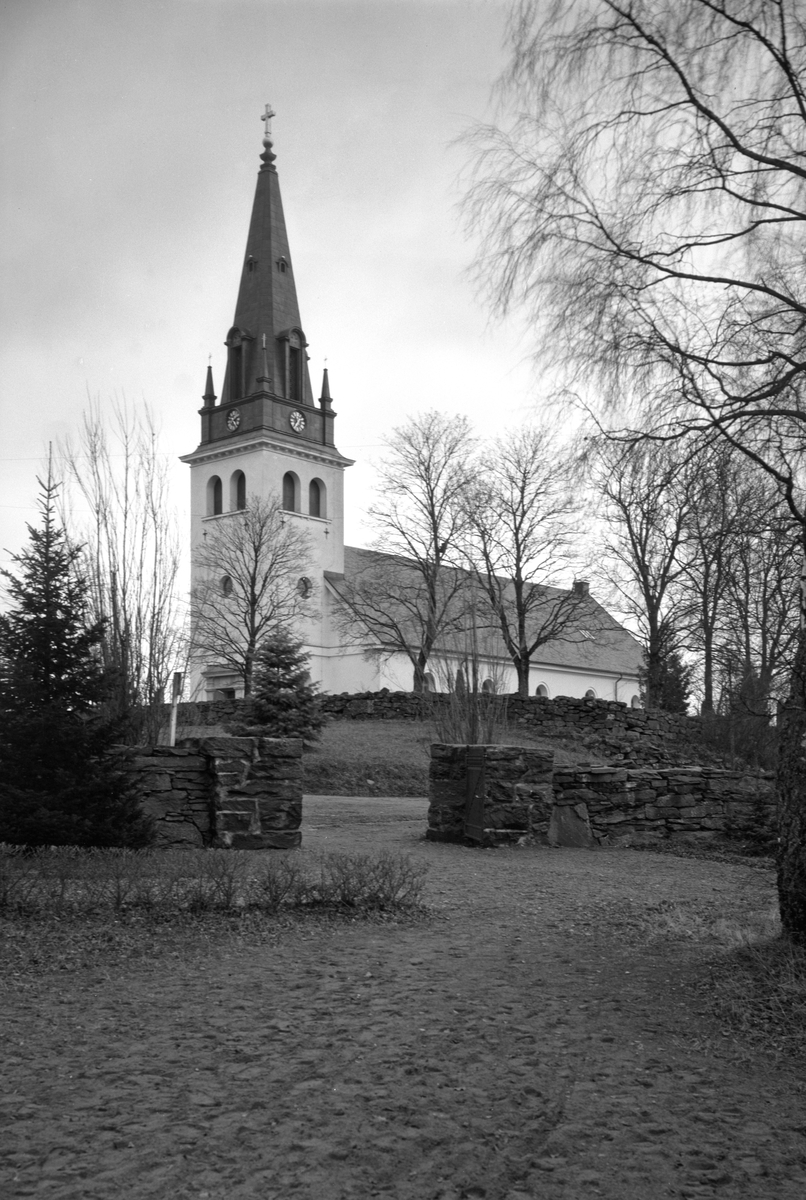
(268, 437)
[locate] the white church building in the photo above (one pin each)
(268, 436)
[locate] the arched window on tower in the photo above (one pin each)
(289, 492)
(215, 497)
(317, 506)
(295, 373)
(293, 349)
(237, 491)
(235, 372)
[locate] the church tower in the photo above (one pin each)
(267, 436)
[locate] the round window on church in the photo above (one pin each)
(305, 587)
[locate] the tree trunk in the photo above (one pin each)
(523, 678)
(248, 670)
(654, 651)
(791, 858)
(707, 708)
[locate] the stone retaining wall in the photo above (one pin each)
(537, 710)
(243, 793)
(617, 806)
(607, 727)
(364, 706)
(523, 796)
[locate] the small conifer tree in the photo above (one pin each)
(668, 683)
(58, 785)
(283, 700)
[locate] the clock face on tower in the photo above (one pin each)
(297, 421)
(233, 419)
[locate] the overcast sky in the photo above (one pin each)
(130, 142)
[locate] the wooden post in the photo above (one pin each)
(474, 804)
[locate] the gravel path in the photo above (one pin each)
(536, 1037)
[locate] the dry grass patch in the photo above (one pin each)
(391, 758)
(758, 991)
(370, 758)
(756, 981)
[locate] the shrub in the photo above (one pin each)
(465, 717)
(741, 736)
(754, 834)
(66, 880)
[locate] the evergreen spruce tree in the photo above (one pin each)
(283, 700)
(668, 682)
(58, 786)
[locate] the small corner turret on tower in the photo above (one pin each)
(209, 396)
(325, 400)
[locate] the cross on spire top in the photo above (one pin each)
(266, 118)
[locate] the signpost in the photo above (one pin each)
(176, 692)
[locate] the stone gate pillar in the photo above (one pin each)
(257, 791)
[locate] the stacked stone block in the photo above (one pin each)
(176, 786)
(257, 791)
(516, 792)
(243, 793)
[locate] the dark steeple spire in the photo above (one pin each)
(267, 301)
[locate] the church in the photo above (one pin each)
(268, 436)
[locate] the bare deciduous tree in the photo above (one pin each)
(131, 556)
(409, 603)
(648, 498)
(760, 627)
(522, 528)
(647, 203)
(711, 536)
(250, 569)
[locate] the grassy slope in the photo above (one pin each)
(390, 758)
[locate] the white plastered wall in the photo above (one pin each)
(396, 673)
(264, 465)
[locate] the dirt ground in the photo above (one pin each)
(535, 1037)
